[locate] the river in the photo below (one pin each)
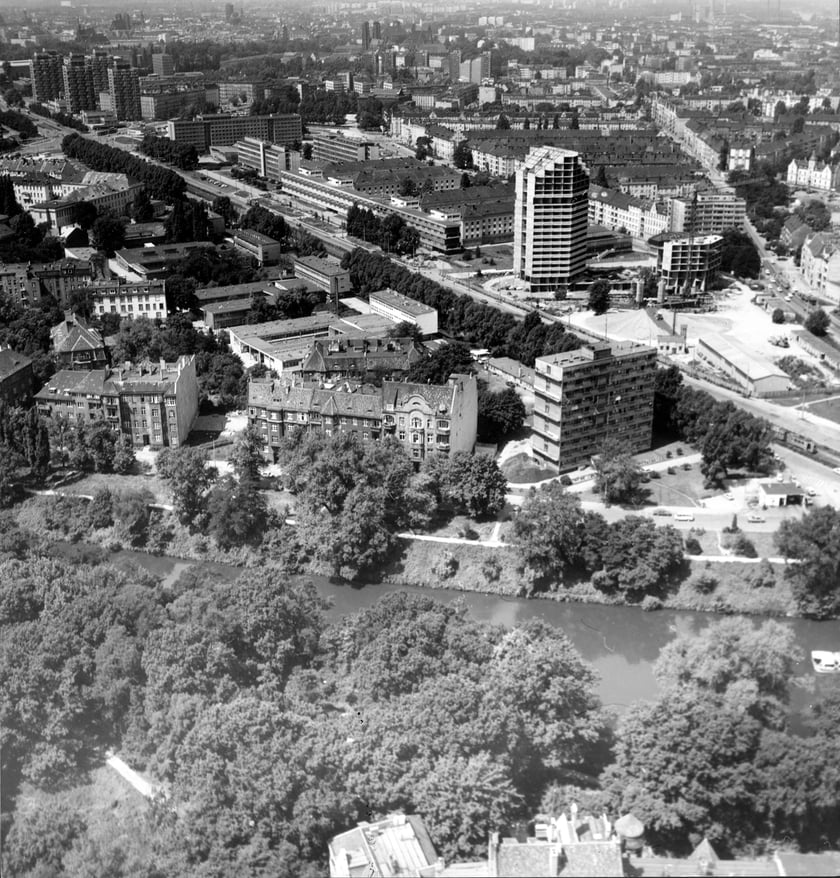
(621, 643)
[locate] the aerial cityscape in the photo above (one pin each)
(419, 439)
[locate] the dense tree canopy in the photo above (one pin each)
(815, 541)
(161, 182)
(459, 316)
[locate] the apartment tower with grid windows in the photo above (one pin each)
(584, 396)
(550, 219)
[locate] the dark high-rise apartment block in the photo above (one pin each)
(583, 397)
(124, 88)
(228, 11)
(163, 64)
(365, 35)
(100, 61)
(47, 76)
(78, 84)
(377, 30)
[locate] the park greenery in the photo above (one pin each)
(556, 540)
(273, 729)
(729, 438)
(459, 316)
(160, 182)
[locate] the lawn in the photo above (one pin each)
(827, 408)
(91, 482)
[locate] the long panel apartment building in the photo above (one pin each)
(267, 159)
(152, 404)
(584, 396)
(225, 130)
(337, 148)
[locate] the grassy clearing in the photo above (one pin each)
(829, 409)
(102, 796)
(420, 564)
(90, 483)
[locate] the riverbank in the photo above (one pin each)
(463, 566)
(725, 588)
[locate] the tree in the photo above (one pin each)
(549, 532)
(142, 210)
(599, 296)
(618, 477)
(502, 123)
(674, 759)
(814, 542)
(476, 484)
(441, 363)
(499, 414)
(778, 315)
(717, 662)
(248, 455)
(601, 177)
(108, 233)
(407, 187)
(237, 512)
(222, 206)
(189, 479)
(817, 322)
(462, 156)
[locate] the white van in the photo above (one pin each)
(684, 516)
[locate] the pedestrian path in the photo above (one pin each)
(146, 789)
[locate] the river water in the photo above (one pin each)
(621, 643)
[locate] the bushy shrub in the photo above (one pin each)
(446, 566)
(491, 568)
(692, 546)
(704, 582)
(651, 603)
(565, 480)
(743, 546)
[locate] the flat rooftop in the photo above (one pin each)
(404, 303)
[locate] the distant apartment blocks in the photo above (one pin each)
(583, 397)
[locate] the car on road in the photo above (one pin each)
(730, 495)
(756, 519)
(836, 470)
(812, 492)
(661, 512)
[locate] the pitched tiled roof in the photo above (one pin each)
(11, 362)
(73, 334)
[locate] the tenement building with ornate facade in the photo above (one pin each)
(427, 419)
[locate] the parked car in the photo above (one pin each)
(661, 512)
(756, 519)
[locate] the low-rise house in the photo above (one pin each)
(76, 345)
(755, 375)
(397, 845)
(262, 248)
(360, 359)
(16, 377)
(780, 494)
(326, 274)
(820, 264)
(817, 347)
(152, 404)
(813, 174)
(402, 309)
